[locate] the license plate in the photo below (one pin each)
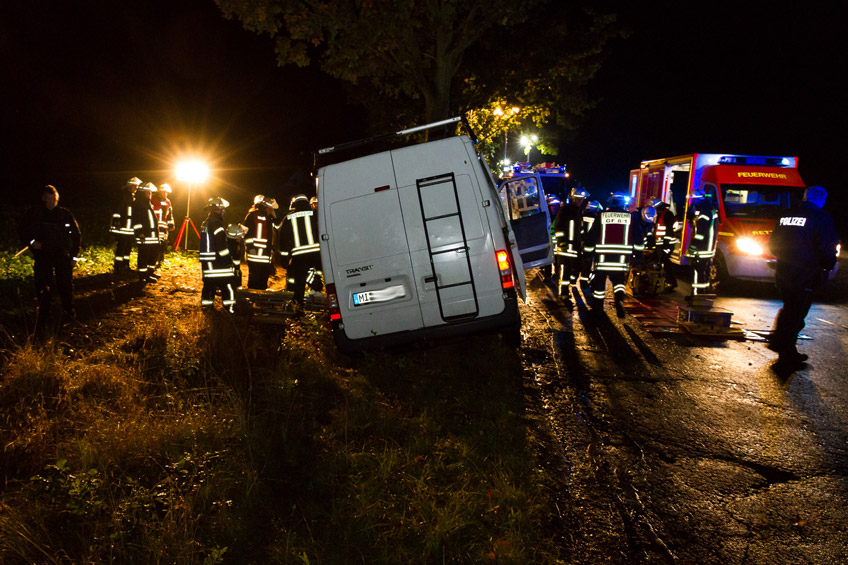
(381, 295)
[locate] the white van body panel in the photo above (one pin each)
(409, 239)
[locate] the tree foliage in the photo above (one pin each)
(425, 60)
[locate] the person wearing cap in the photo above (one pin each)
(216, 264)
(52, 235)
(121, 226)
(299, 246)
(805, 243)
(164, 218)
(146, 230)
(235, 242)
(259, 241)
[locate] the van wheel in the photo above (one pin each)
(511, 336)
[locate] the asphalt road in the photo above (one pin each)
(681, 449)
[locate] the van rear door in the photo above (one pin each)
(371, 263)
(524, 200)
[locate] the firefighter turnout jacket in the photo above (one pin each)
(299, 235)
(145, 226)
(122, 217)
(164, 216)
(614, 237)
(258, 242)
(665, 235)
(705, 231)
(568, 231)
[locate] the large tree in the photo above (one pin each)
(425, 60)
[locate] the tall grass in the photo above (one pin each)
(203, 440)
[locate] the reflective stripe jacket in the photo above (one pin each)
(259, 239)
(299, 234)
(568, 231)
(144, 223)
(614, 236)
(122, 217)
(704, 232)
(215, 259)
(164, 216)
(666, 228)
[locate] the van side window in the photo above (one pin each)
(521, 198)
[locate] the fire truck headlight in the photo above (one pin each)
(749, 246)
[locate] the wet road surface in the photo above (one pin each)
(678, 448)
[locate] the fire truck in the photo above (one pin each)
(749, 191)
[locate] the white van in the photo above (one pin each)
(415, 245)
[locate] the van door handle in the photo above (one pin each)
(430, 279)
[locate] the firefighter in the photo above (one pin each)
(701, 250)
(568, 233)
(299, 245)
(614, 238)
(665, 238)
(313, 203)
(805, 244)
(215, 261)
(52, 235)
(146, 230)
(235, 243)
(590, 214)
(121, 226)
(259, 241)
(164, 213)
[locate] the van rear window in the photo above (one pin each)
(368, 227)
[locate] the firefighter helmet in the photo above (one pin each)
(618, 200)
(261, 200)
(594, 206)
(649, 214)
(313, 202)
(816, 194)
(698, 192)
(216, 203)
(235, 231)
(296, 199)
(577, 193)
(165, 187)
(133, 183)
(148, 187)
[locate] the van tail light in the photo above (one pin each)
(333, 303)
(504, 268)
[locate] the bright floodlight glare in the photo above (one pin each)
(192, 172)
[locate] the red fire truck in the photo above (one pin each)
(750, 192)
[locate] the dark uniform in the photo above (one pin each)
(702, 248)
(53, 237)
(614, 237)
(568, 233)
(665, 240)
(215, 261)
(259, 243)
(299, 245)
(804, 242)
(121, 226)
(235, 243)
(146, 230)
(165, 218)
(590, 214)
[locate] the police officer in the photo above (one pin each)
(259, 241)
(146, 230)
(614, 238)
(299, 245)
(52, 235)
(804, 242)
(666, 239)
(702, 247)
(164, 217)
(215, 261)
(121, 226)
(568, 234)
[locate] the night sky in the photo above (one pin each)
(96, 91)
